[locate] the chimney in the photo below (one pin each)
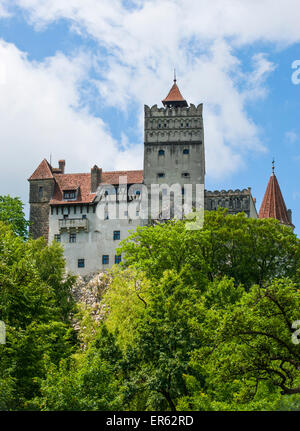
(96, 174)
(61, 166)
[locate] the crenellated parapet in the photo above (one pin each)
(230, 192)
(175, 124)
(191, 110)
(234, 200)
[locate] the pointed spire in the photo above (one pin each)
(273, 205)
(174, 98)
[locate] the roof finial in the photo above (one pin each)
(273, 166)
(175, 75)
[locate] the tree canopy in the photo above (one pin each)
(192, 320)
(11, 212)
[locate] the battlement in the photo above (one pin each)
(228, 193)
(192, 110)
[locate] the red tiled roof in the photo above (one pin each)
(83, 182)
(273, 205)
(42, 172)
(174, 95)
(133, 177)
(73, 182)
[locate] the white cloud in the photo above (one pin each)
(144, 43)
(159, 20)
(291, 137)
(4, 13)
(41, 113)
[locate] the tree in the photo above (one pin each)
(192, 320)
(11, 212)
(31, 305)
(251, 342)
(251, 251)
(157, 326)
(86, 381)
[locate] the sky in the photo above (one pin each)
(75, 76)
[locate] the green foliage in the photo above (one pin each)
(34, 304)
(86, 381)
(251, 251)
(11, 212)
(192, 320)
(255, 341)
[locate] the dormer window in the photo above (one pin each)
(69, 194)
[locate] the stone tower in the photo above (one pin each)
(40, 193)
(174, 142)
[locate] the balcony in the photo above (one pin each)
(74, 224)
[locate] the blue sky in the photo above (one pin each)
(75, 75)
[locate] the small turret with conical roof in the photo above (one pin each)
(273, 205)
(174, 98)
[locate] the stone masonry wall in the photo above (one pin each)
(41, 192)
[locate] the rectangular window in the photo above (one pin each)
(161, 175)
(118, 259)
(116, 234)
(41, 191)
(105, 259)
(84, 216)
(70, 194)
(80, 263)
(57, 238)
(72, 237)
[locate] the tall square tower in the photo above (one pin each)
(174, 142)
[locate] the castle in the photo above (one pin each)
(66, 207)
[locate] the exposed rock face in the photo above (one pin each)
(89, 291)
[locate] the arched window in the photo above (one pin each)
(161, 153)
